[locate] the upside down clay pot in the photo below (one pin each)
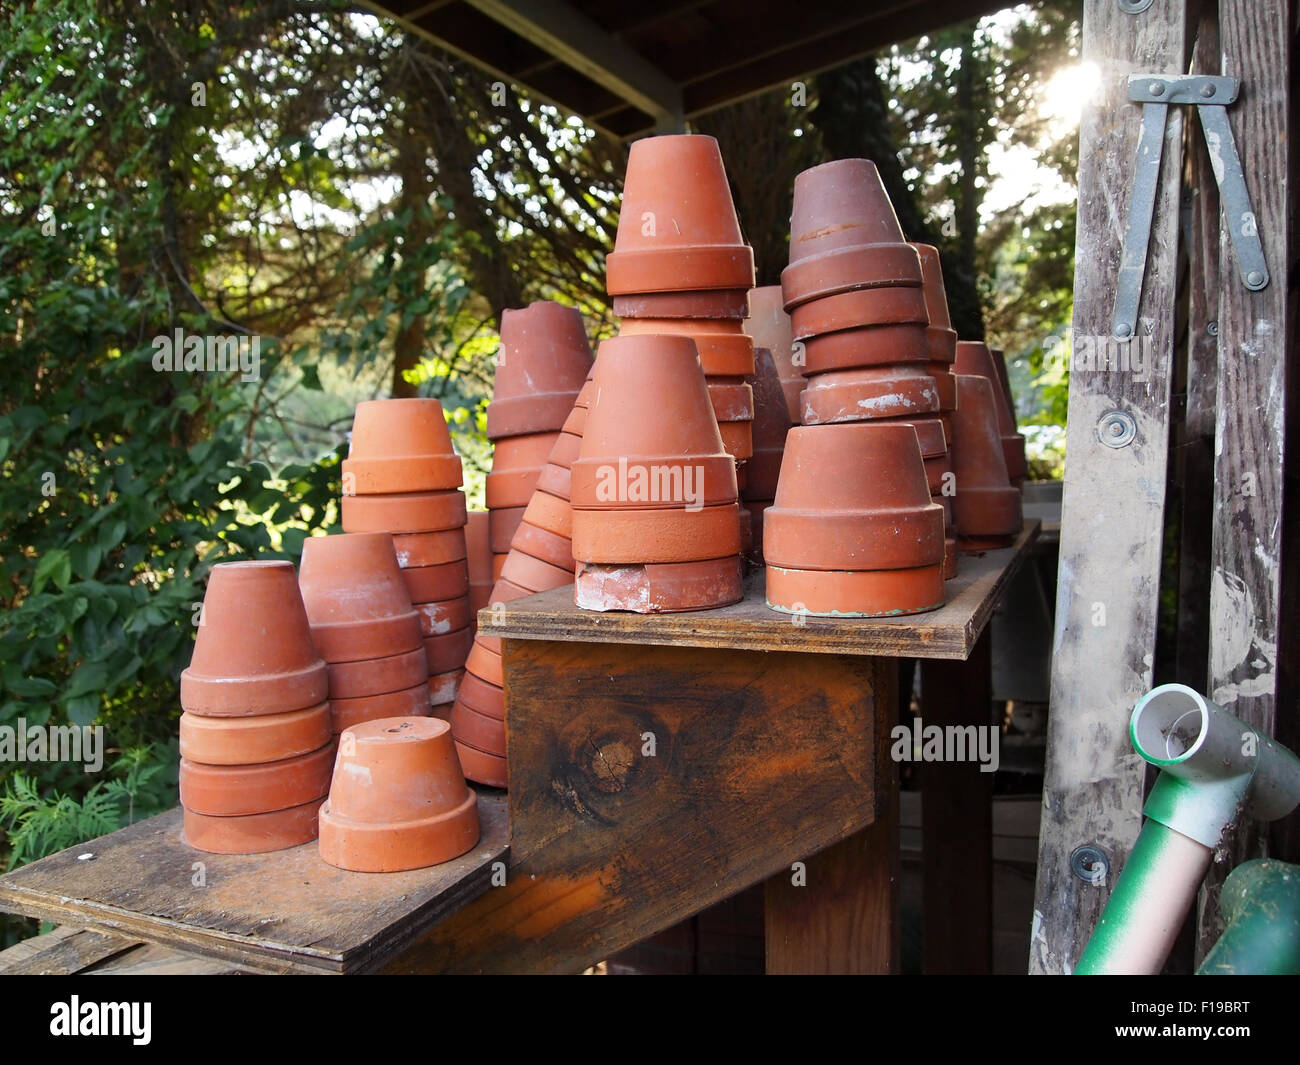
(527, 572)
(770, 327)
(440, 618)
(237, 790)
(253, 653)
(855, 310)
(431, 584)
(251, 833)
(986, 507)
(357, 603)
(375, 676)
(660, 589)
(400, 445)
(876, 345)
(940, 335)
(447, 652)
(975, 358)
(874, 392)
(677, 224)
(853, 497)
(431, 549)
(407, 702)
(630, 537)
(480, 560)
(718, 304)
(398, 799)
(249, 740)
(771, 424)
(724, 348)
(869, 593)
(412, 512)
(543, 361)
(481, 767)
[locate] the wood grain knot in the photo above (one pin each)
(611, 764)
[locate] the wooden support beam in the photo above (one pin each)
(1112, 520)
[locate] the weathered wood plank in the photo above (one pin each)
(286, 909)
(61, 951)
(1254, 333)
(949, 632)
(1112, 518)
(759, 759)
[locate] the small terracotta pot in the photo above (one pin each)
(737, 439)
(252, 833)
(253, 653)
(400, 445)
(677, 225)
(841, 204)
(484, 697)
(543, 545)
(407, 702)
(975, 358)
(249, 740)
(985, 504)
(523, 452)
(897, 391)
(945, 384)
(771, 424)
(447, 652)
(413, 512)
(527, 572)
(485, 664)
(550, 513)
(543, 362)
(732, 399)
(433, 584)
(482, 768)
(724, 348)
(941, 336)
(567, 446)
(850, 269)
(398, 799)
(443, 687)
(856, 310)
(375, 676)
(555, 480)
(633, 537)
(853, 497)
(878, 345)
(730, 304)
(487, 734)
(238, 790)
(501, 527)
(857, 594)
(660, 589)
(440, 618)
(511, 488)
(770, 327)
(430, 549)
(357, 603)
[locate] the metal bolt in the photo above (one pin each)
(1255, 278)
(1089, 864)
(1212, 328)
(1207, 90)
(1134, 7)
(1157, 88)
(1123, 329)
(1116, 429)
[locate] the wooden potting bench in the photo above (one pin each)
(659, 764)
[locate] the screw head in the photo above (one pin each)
(1255, 278)
(1156, 88)
(1212, 328)
(1116, 429)
(1123, 329)
(1089, 864)
(1207, 90)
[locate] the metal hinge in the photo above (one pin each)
(1211, 96)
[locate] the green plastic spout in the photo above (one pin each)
(1261, 903)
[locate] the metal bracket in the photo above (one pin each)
(1211, 97)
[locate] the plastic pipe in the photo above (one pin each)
(1261, 903)
(1213, 767)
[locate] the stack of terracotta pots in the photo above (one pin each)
(977, 358)
(986, 505)
(540, 558)
(853, 531)
(365, 628)
(680, 266)
(398, 799)
(655, 514)
(770, 327)
(771, 424)
(542, 363)
(479, 557)
(402, 477)
(255, 738)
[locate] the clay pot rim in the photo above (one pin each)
(340, 823)
(859, 309)
(853, 268)
(699, 304)
(844, 582)
(679, 267)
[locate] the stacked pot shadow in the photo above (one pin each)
(365, 628)
(402, 477)
(655, 506)
(680, 267)
(256, 742)
(854, 530)
(543, 361)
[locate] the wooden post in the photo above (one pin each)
(1112, 520)
(1254, 332)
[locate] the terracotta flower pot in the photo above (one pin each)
(413, 512)
(398, 799)
(527, 572)
(859, 594)
(447, 652)
(719, 304)
(770, 327)
(849, 269)
(543, 545)
(677, 225)
(855, 310)
(433, 584)
(501, 527)
(238, 790)
(975, 358)
(1014, 446)
(737, 439)
(251, 833)
(879, 345)
(482, 768)
(479, 550)
(550, 513)
(400, 445)
(440, 618)
(375, 676)
(853, 497)
(544, 360)
(732, 399)
(253, 653)
(567, 446)
(510, 488)
(896, 391)
(771, 424)
(941, 337)
(406, 702)
(724, 348)
(357, 603)
(485, 698)
(660, 589)
(634, 537)
(485, 664)
(530, 452)
(249, 740)
(443, 687)
(555, 480)
(576, 422)
(651, 432)
(986, 506)
(487, 734)
(430, 549)
(756, 509)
